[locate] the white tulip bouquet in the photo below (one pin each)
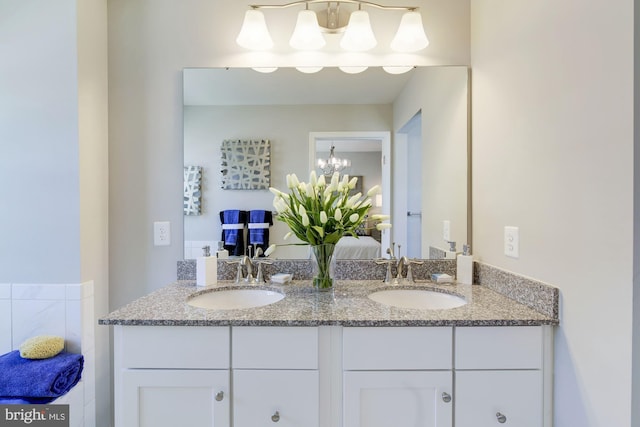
(320, 213)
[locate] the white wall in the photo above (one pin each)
(553, 155)
(53, 169)
(287, 127)
(440, 94)
(150, 42)
(39, 218)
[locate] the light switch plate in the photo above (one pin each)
(162, 233)
(512, 242)
(446, 230)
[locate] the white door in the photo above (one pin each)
(493, 398)
(398, 399)
(275, 398)
(170, 398)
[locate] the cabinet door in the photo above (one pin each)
(275, 398)
(158, 398)
(493, 398)
(398, 399)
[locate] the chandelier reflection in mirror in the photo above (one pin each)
(333, 163)
(355, 27)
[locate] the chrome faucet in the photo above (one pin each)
(402, 261)
(246, 261)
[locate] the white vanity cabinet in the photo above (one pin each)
(275, 376)
(397, 377)
(333, 376)
(170, 376)
(501, 377)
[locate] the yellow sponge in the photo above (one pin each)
(41, 347)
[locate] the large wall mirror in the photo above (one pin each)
(407, 132)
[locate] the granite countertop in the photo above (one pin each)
(346, 305)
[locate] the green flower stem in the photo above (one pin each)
(323, 255)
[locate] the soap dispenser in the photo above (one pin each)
(222, 253)
(464, 266)
(206, 268)
(451, 253)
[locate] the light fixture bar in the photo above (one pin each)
(308, 2)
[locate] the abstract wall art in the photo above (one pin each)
(246, 164)
(192, 190)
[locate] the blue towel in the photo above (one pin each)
(231, 216)
(256, 235)
(38, 380)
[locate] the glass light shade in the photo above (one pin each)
(309, 70)
(410, 36)
(353, 70)
(397, 69)
(307, 35)
(358, 36)
(254, 34)
(265, 70)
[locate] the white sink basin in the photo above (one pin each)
(417, 299)
(234, 299)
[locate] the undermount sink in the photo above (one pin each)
(417, 299)
(234, 299)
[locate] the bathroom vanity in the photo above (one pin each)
(332, 359)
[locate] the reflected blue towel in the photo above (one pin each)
(40, 380)
(256, 235)
(231, 216)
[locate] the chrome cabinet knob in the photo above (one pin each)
(219, 396)
(501, 418)
(446, 397)
(275, 417)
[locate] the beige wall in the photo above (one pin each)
(94, 180)
(440, 95)
(553, 155)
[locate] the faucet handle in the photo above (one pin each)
(260, 276)
(388, 275)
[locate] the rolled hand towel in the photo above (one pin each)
(41, 380)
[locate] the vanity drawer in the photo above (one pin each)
(399, 348)
(274, 347)
(173, 347)
(499, 347)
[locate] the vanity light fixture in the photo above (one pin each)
(352, 69)
(265, 70)
(394, 69)
(333, 163)
(309, 70)
(358, 36)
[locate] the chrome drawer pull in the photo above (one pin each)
(501, 418)
(275, 417)
(219, 396)
(446, 397)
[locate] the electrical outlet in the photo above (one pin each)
(446, 230)
(162, 233)
(512, 242)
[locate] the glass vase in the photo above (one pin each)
(324, 264)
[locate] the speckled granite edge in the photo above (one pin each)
(345, 269)
(537, 295)
(436, 253)
(346, 305)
